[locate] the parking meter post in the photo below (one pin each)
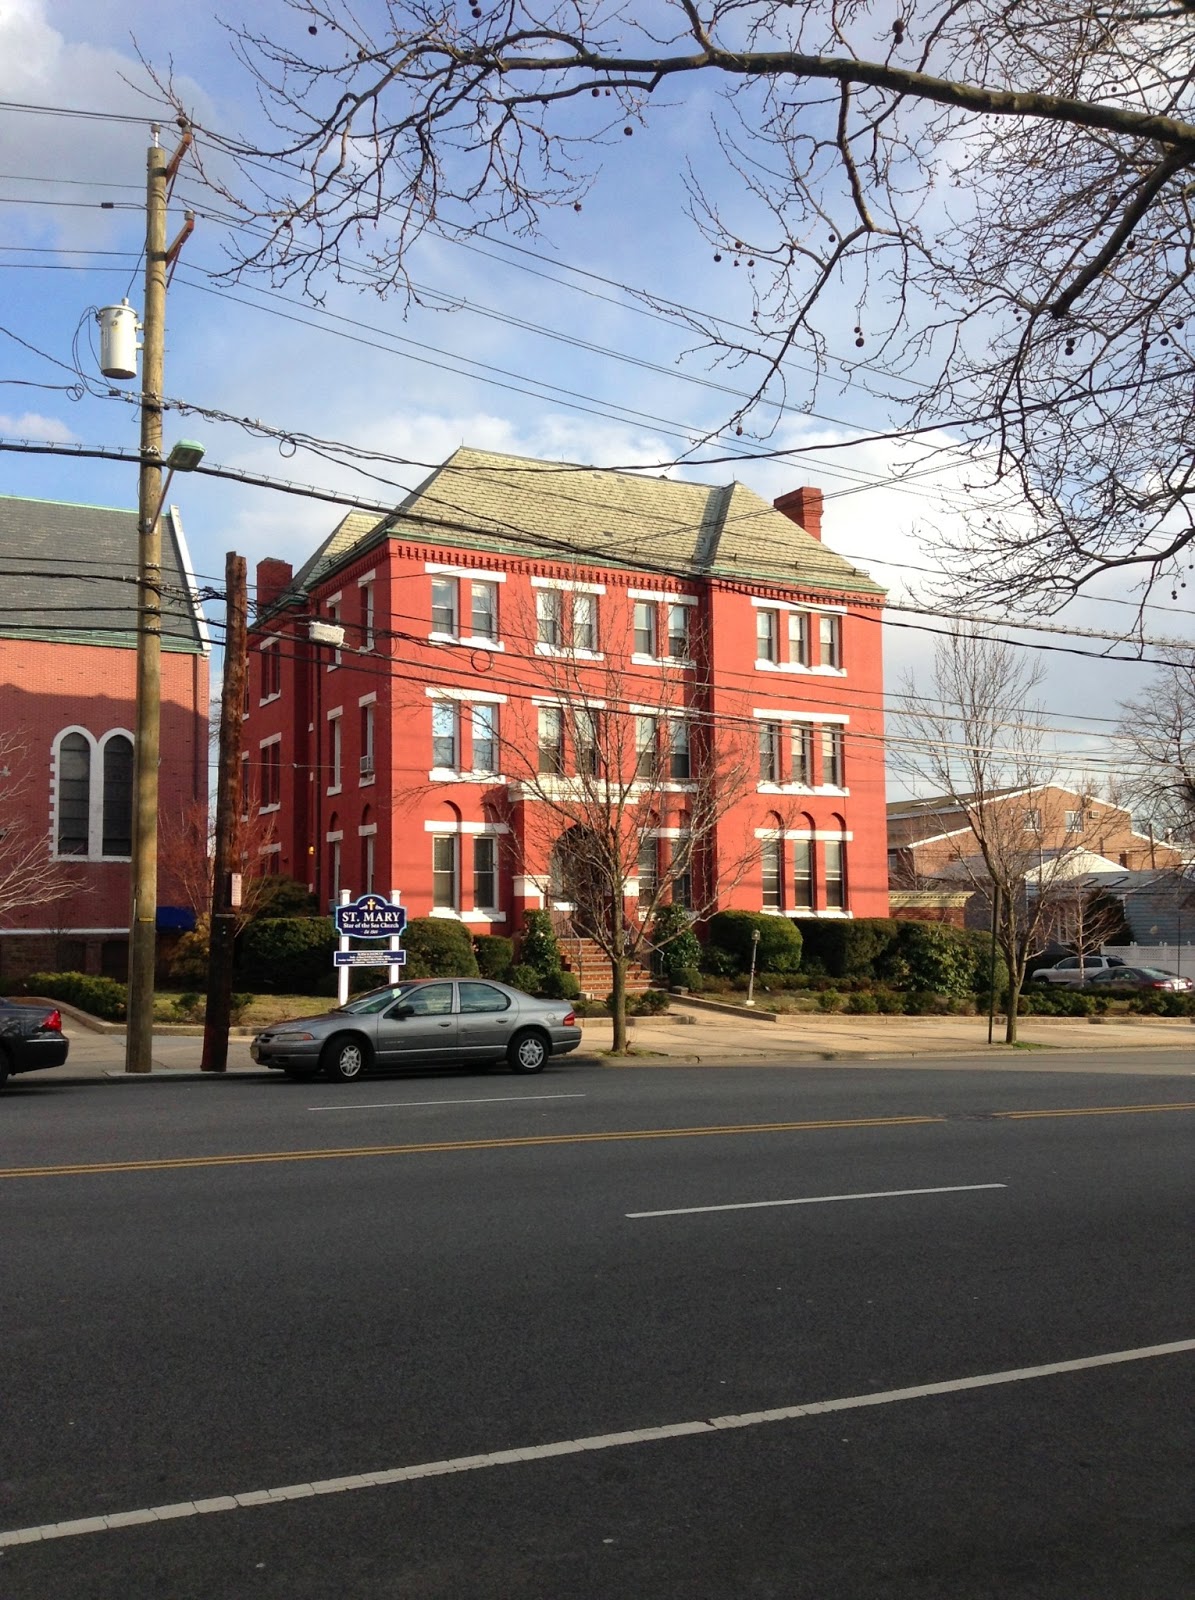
(342, 973)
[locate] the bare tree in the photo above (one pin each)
(977, 739)
(628, 789)
(1159, 730)
(30, 874)
(186, 857)
(993, 200)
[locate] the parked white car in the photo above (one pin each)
(1076, 970)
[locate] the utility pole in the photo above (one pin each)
(143, 899)
(228, 810)
(144, 894)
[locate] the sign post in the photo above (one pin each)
(369, 917)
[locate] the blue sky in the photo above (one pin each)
(405, 380)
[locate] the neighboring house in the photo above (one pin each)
(410, 758)
(67, 721)
(926, 835)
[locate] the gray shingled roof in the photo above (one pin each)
(69, 575)
(514, 505)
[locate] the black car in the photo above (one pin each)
(31, 1037)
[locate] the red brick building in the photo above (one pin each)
(513, 615)
(67, 719)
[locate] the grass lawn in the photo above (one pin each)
(259, 1013)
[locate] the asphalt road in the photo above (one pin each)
(244, 1289)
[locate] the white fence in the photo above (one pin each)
(1178, 958)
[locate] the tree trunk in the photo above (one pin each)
(618, 1003)
(1014, 995)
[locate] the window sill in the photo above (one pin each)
(559, 652)
(451, 775)
(274, 805)
(799, 669)
(676, 663)
(464, 641)
(367, 783)
(482, 916)
(333, 788)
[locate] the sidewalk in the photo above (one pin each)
(689, 1035)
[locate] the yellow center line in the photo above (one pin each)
(1097, 1111)
(175, 1163)
(267, 1157)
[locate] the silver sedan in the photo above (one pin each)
(423, 1022)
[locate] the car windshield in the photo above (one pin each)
(376, 1000)
(1154, 972)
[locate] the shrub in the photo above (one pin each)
(854, 949)
(282, 897)
(438, 947)
(937, 957)
(648, 1004)
(560, 986)
(829, 1000)
(525, 978)
(779, 941)
(538, 947)
(718, 963)
(676, 946)
(288, 955)
(862, 1004)
(190, 959)
(188, 1007)
(240, 1004)
(686, 978)
(494, 952)
(100, 997)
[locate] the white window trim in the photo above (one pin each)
(565, 653)
(276, 805)
(489, 829)
(804, 788)
(567, 700)
(675, 662)
(466, 696)
(664, 596)
(804, 833)
(810, 718)
(798, 669)
(336, 786)
(335, 837)
(370, 699)
(568, 585)
(442, 569)
(273, 644)
(453, 775)
(367, 829)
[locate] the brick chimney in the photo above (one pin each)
(273, 578)
(804, 507)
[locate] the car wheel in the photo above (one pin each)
(528, 1052)
(345, 1057)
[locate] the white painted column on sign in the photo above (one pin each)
(342, 973)
(393, 971)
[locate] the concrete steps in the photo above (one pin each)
(591, 968)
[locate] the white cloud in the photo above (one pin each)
(32, 425)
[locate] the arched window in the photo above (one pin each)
(118, 796)
(74, 794)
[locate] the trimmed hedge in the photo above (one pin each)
(779, 940)
(495, 953)
(848, 949)
(287, 955)
(438, 947)
(99, 997)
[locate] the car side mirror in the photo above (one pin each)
(403, 1009)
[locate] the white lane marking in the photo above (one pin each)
(572, 1447)
(815, 1200)
(492, 1100)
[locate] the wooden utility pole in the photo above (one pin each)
(143, 896)
(143, 906)
(222, 934)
